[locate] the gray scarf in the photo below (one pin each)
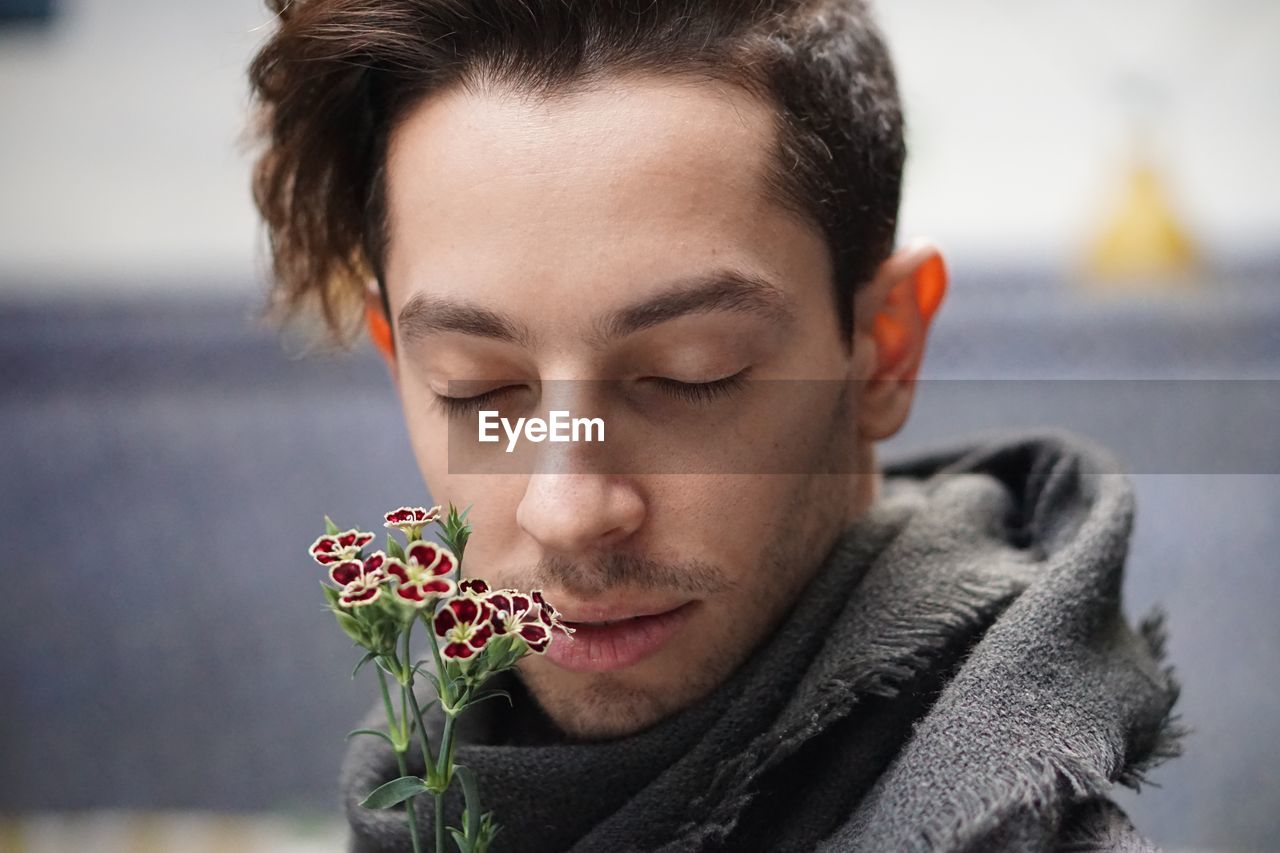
(957, 676)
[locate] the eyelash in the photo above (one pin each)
(698, 393)
(461, 407)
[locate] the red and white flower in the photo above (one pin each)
(473, 586)
(361, 580)
(410, 520)
(336, 548)
(422, 574)
(515, 612)
(547, 613)
(465, 624)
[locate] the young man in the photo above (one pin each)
(681, 217)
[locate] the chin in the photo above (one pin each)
(597, 706)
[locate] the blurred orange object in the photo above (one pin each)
(379, 330)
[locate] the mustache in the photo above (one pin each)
(628, 571)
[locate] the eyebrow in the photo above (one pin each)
(721, 290)
(424, 315)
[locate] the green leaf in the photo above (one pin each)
(427, 706)
(490, 695)
(364, 660)
(393, 548)
(330, 528)
(508, 657)
(491, 829)
(464, 846)
(471, 793)
(352, 626)
(330, 594)
(394, 793)
(431, 676)
(382, 735)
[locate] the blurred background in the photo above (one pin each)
(1102, 176)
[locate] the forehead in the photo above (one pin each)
(633, 180)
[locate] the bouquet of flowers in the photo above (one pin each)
(473, 632)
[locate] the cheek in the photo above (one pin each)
(718, 518)
(493, 499)
(428, 437)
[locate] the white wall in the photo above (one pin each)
(119, 160)
(119, 157)
(1020, 117)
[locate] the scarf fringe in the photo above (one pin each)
(1166, 740)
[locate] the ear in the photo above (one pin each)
(892, 316)
(379, 328)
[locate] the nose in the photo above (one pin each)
(572, 514)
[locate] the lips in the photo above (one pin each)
(602, 644)
(588, 614)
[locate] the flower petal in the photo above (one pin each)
(346, 572)
(424, 554)
(411, 516)
(457, 651)
(396, 569)
(358, 595)
(475, 586)
(412, 593)
(351, 539)
(323, 545)
(521, 604)
(467, 610)
(445, 564)
(480, 636)
(444, 621)
(533, 633)
(438, 587)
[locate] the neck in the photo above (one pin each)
(865, 485)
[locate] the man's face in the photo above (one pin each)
(622, 234)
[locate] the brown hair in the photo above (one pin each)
(337, 75)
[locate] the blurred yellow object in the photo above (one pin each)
(1143, 245)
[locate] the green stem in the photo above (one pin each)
(392, 726)
(400, 746)
(446, 751)
(445, 696)
(427, 760)
(408, 809)
(439, 823)
(446, 702)
(406, 733)
(444, 769)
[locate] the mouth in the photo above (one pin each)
(605, 644)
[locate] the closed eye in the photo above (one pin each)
(699, 392)
(461, 407)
